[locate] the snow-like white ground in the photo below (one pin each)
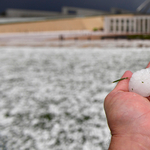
(52, 98)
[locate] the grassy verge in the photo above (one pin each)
(138, 37)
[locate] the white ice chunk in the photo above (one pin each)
(140, 82)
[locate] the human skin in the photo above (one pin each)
(128, 117)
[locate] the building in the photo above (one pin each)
(81, 11)
(19, 13)
(66, 12)
(128, 24)
(119, 11)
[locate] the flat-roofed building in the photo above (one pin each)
(81, 11)
(66, 11)
(29, 13)
(127, 24)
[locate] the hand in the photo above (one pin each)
(128, 116)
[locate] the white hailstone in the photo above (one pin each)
(140, 82)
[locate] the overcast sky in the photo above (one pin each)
(55, 5)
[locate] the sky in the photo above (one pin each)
(55, 5)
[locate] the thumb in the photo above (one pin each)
(148, 65)
(124, 84)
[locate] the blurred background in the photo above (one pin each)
(57, 63)
(48, 5)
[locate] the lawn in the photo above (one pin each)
(52, 98)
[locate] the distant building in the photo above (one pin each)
(119, 11)
(133, 24)
(29, 13)
(66, 12)
(81, 11)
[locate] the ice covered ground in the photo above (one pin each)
(52, 98)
